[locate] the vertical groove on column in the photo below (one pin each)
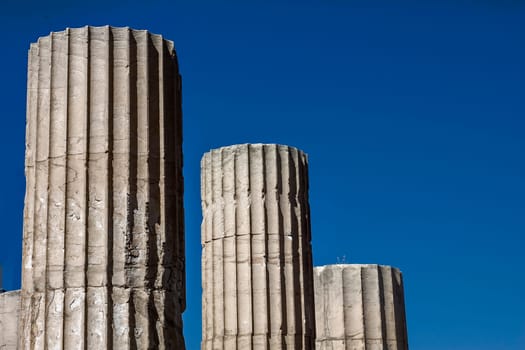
(274, 248)
(264, 257)
(217, 247)
(66, 182)
(258, 245)
(30, 162)
(319, 309)
(306, 247)
(283, 239)
(222, 248)
(401, 336)
(120, 185)
(389, 323)
(131, 250)
(235, 302)
(353, 307)
(29, 210)
(172, 256)
(367, 302)
(98, 196)
(372, 305)
(38, 301)
(284, 206)
(153, 192)
(110, 188)
(75, 225)
(255, 249)
(244, 258)
(158, 193)
(298, 247)
(87, 183)
(288, 267)
(230, 261)
(103, 226)
(364, 317)
(140, 230)
(384, 305)
(57, 190)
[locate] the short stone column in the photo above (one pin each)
(103, 251)
(9, 313)
(256, 258)
(359, 307)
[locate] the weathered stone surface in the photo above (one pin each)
(103, 252)
(9, 311)
(359, 307)
(256, 258)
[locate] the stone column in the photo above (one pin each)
(359, 307)
(9, 311)
(256, 258)
(103, 252)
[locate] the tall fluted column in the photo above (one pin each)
(359, 307)
(257, 263)
(103, 255)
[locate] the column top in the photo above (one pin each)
(242, 146)
(354, 266)
(114, 30)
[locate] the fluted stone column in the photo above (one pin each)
(256, 257)
(103, 254)
(359, 307)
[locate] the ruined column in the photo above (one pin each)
(103, 250)
(359, 307)
(256, 252)
(9, 312)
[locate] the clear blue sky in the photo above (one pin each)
(412, 113)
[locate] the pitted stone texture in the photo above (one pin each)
(9, 313)
(103, 255)
(359, 307)
(256, 252)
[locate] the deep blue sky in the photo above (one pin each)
(412, 114)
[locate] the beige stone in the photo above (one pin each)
(359, 307)
(9, 312)
(103, 251)
(256, 251)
